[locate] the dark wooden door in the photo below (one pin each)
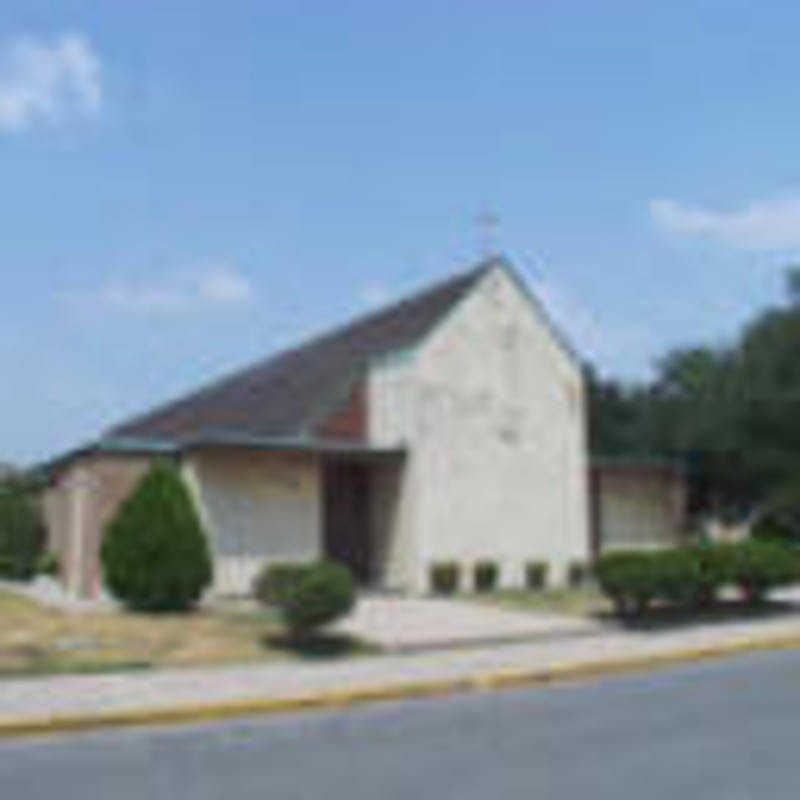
(346, 523)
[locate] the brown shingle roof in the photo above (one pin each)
(284, 395)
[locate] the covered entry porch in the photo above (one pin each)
(286, 503)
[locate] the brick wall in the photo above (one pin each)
(349, 420)
(85, 496)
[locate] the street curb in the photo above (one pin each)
(20, 726)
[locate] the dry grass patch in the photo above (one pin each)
(583, 602)
(36, 639)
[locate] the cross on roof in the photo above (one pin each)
(487, 223)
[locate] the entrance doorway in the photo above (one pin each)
(346, 507)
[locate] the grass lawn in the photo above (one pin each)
(579, 602)
(35, 639)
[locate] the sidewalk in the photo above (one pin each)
(67, 702)
(421, 624)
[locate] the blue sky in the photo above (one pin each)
(188, 186)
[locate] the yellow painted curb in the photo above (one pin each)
(482, 681)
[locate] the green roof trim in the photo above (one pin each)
(638, 462)
(213, 440)
(111, 445)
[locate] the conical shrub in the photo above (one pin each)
(154, 552)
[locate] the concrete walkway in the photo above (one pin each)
(411, 624)
(42, 698)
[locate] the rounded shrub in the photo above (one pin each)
(322, 593)
(536, 574)
(716, 564)
(485, 576)
(154, 552)
(276, 582)
(445, 577)
(760, 566)
(628, 579)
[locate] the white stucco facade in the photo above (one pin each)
(256, 508)
(490, 408)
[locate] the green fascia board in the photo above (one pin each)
(300, 443)
(133, 445)
(212, 440)
(111, 445)
(396, 357)
(643, 462)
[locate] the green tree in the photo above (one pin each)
(730, 413)
(770, 376)
(154, 553)
(618, 416)
(699, 412)
(21, 530)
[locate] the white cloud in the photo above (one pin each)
(220, 288)
(766, 225)
(615, 346)
(620, 348)
(374, 294)
(224, 287)
(571, 316)
(47, 82)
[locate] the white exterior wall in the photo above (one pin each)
(392, 394)
(256, 507)
(491, 410)
(640, 509)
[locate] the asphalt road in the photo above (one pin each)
(728, 730)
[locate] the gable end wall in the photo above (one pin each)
(491, 409)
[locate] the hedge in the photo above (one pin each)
(485, 576)
(629, 579)
(717, 569)
(761, 566)
(692, 576)
(677, 576)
